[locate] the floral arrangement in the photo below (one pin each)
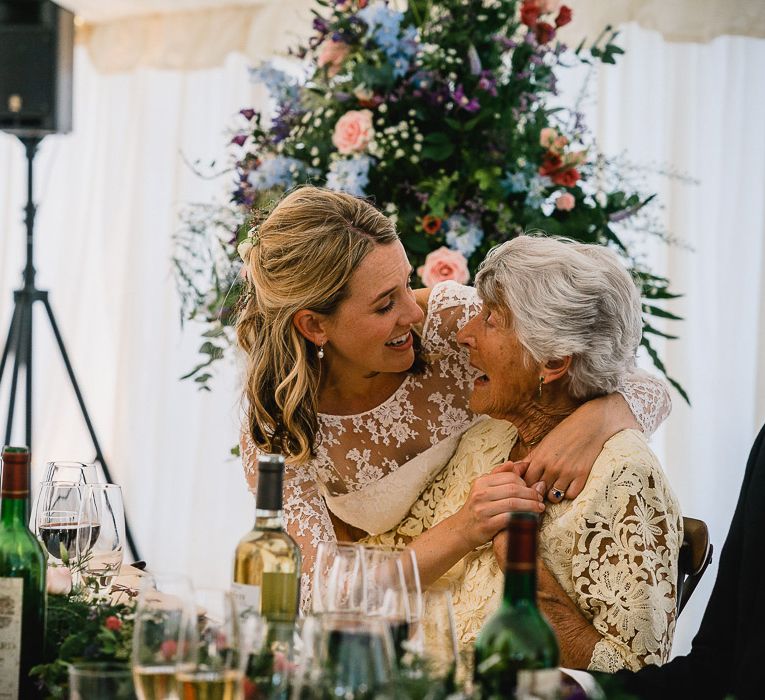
(80, 629)
(440, 113)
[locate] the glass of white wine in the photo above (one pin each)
(164, 603)
(210, 660)
(101, 542)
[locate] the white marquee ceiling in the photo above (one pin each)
(191, 34)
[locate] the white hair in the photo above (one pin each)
(567, 298)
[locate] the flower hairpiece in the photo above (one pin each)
(248, 244)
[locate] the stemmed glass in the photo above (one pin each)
(77, 472)
(435, 640)
(339, 579)
(101, 544)
(210, 661)
(164, 604)
(57, 519)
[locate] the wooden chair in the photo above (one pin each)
(695, 557)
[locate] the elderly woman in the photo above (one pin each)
(560, 324)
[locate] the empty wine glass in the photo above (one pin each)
(102, 541)
(435, 640)
(210, 661)
(57, 520)
(77, 472)
(164, 603)
(339, 581)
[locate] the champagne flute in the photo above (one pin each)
(57, 521)
(210, 661)
(339, 579)
(101, 544)
(164, 603)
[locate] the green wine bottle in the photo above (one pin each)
(516, 652)
(22, 581)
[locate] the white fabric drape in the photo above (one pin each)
(108, 196)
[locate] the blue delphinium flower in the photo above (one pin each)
(535, 197)
(462, 234)
(279, 171)
(280, 85)
(384, 28)
(350, 175)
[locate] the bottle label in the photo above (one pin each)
(543, 684)
(247, 597)
(11, 598)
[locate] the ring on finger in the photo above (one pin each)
(557, 494)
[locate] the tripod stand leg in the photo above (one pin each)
(18, 341)
(9, 340)
(84, 410)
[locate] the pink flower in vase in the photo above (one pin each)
(444, 264)
(353, 131)
(332, 55)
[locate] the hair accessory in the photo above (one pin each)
(248, 244)
(541, 384)
(321, 351)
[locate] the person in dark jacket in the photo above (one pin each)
(728, 652)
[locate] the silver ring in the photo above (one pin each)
(557, 493)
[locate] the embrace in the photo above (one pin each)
(423, 417)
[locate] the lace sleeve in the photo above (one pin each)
(648, 399)
(306, 517)
(450, 307)
(624, 566)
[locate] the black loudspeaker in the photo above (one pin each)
(36, 52)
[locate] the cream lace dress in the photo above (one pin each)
(370, 468)
(613, 549)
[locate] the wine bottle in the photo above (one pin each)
(22, 580)
(516, 651)
(267, 562)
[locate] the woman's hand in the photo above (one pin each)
(564, 458)
(492, 496)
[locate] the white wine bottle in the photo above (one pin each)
(22, 582)
(267, 562)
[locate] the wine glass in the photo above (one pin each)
(350, 656)
(57, 519)
(77, 472)
(210, 660)
(435, 639)
(164, 603)
(101, 544)
(339, 580)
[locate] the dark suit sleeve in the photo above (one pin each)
(707, 671)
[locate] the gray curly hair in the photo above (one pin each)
(567, 298)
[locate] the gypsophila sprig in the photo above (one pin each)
(439, 114)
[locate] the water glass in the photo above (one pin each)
(100, 681)
(164, 603)
(339, 579)
(101, 548)
(56, 519)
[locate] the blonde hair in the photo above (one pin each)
(305, 254)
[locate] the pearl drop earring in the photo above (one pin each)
(321, 352)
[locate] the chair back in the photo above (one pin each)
(695, 557)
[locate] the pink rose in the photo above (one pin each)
(444, 264)
(560, 143)
(547, 137)
(565, 202)
(58, 580)
(353, 131)
(332, 55)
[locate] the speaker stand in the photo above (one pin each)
(19, 340)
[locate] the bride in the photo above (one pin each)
(360, 382)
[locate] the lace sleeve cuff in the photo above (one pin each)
(648, 399)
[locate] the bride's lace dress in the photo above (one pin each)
(370, 467)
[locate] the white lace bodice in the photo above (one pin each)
(369, 468)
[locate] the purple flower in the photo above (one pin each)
(487, 83)
(320, 25)
(239, 139)
(463, 101)
(248, 114)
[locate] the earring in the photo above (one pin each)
(541, 383)
(321, 351)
